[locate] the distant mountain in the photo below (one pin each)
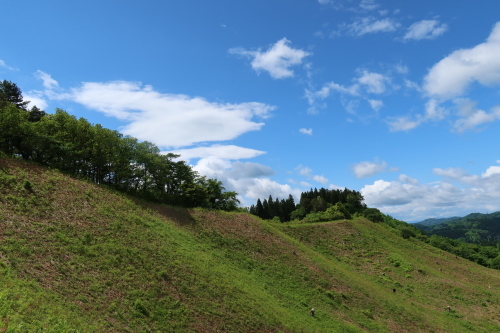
(473, 228)
(432, 221)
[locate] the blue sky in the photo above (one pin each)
(396, 99)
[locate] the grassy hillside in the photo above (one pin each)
(76, 257)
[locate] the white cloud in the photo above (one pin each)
(250, 180)
(229, 152)
(406, 179)
(452, 75)
(375, 83)
(412, 201)
(401, 69)
(412, 85)
(368, 169)
(368, 5)
(375, 104)
(48, 81)
(223, 169)
(36, 99)
(305, 184)
(492, 170)
(4, 65)
(398, 124)
(327, 89)
(307, 131)
(370, 25)
(476, 118)
(303, 171)
(277, 60)
(433, 111)
(425, 29)
(308, 173)
(169, 120)
(320, 179)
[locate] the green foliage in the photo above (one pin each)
(373, 214)
(103, 156)
(474, 228)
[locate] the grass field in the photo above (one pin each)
(76, 257)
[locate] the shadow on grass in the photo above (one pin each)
(179, 215)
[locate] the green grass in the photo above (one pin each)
(76, 257)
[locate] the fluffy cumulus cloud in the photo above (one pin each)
(374, 82)
(425, 29)
(449, 80)
(308, 173)
(451, 76)
(277, 60)
(367, 169)
(320, 179)
(250, 180)
(458, 193)
(166, 119)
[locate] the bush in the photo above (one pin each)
(373, 214)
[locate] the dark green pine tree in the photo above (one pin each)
(259, 209)
(265, 206)
(10, 93)
(271, 211)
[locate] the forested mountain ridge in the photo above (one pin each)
(435, 221)
(80, 257)
(474, 228)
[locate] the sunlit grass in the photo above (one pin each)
(76, 257)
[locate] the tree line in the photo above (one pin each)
(103, 156)
(317, 206)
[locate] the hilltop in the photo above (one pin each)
(79, 257)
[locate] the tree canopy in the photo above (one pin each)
(103, 156)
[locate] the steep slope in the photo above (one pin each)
(101, 261)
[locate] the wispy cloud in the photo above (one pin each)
(375, 104)
(307, 131)
(4, 65)
(369, 25)
(374, 82)
(48, 81)
(228, 152)
(277, 60)
(425, 29)
(367, 169)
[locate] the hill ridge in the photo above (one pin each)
(119, 264)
